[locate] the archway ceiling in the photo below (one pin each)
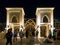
(30, 26)
(29, 23)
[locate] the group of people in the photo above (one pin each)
(50, 38)
(31, 33)
(9, 36)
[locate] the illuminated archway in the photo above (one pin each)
(30, 27)
(29, 22)
(44, 18)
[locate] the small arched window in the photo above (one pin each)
(45, 19)
(14, 20)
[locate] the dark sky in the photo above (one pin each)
(29, 7)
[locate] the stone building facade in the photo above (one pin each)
(43, 22)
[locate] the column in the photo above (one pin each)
(22, 22)
(12, 28)
(22, 19)
(38, 25)
(7, 23)
(52, 26)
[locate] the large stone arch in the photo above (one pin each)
(29, 22)
(46, 13)
(30, 26)
(17, 15)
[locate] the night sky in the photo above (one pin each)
(29, 7)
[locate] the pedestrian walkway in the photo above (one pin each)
(30, 41)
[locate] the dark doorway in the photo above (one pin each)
(30, 31)
(43, 31)
(16, 30)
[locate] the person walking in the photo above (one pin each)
(9, 37)
(37, 33)
(21, 34)
(15, 36)
(54, 35)
(50, 36)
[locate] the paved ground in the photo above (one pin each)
(30, 41)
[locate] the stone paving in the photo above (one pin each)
(30, 41)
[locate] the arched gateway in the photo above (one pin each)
(15, 19)
(30, 28)
(44, 21)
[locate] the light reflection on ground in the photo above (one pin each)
(30, 41)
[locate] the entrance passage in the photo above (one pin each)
(43, 31)
(16, 30)
(30, 31)
(30, 28)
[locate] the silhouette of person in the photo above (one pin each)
(33, 34)
(45, 39)
(50, 36)
(54, 34)
(15, 36)
(9, 37)
(37, 33)
(21, 34)
(26, 33)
